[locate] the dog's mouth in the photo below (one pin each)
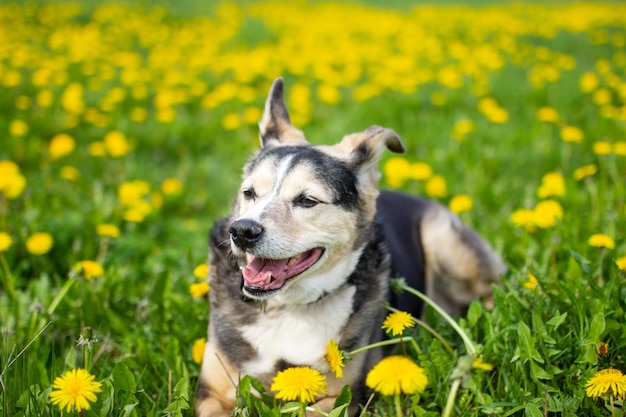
(263, 277)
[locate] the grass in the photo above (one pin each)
(153, 99)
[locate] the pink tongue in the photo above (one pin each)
(258, 270)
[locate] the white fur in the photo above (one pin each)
(297, 334)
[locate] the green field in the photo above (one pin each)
(123, 129)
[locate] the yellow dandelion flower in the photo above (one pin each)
(5, 241)
(531, 284)
(300, 383)
(619, 148)
(96, 149)
(129, 193)
(197, 350)
(571, 134)
(585, 171)
(552, 185)
(524, 218)
(601, 241)
(589, 82)
(547, 213)
(201, 271)
(334, 357)
(603, 349)
(231, 121)
(252, 115)
(12, 183)
(108, 230)
(75, 389)
(88, 269)
(607, 382)
(436, 187)
(602, 148)
(171, 186)
(396, 322)
(460, 203)
(420, 171)
(61, 145)
(18, 128)
(548, 115)
(621, 263)
(39, 243)
(115, 144)
(396, 374)
(69, 173)
(199, 290)
(462, 128)
(480, 364)
(396, 171)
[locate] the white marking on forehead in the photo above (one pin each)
(279, 175)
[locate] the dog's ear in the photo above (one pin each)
(275, 126)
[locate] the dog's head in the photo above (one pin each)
(303, 211)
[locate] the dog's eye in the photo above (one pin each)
(305, 202)
(248, 194)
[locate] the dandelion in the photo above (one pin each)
(116, 144)
(619, 148)
(607, 382)
(201, 271)
(199, 290)
(396, 374)
(571, 134)
(61, 145)
(96, 149)
(589, 82)
(461, 203)
(603, 349)
(531, 284)
(12, 183)
(108, 230)
(88, 269)
(75, 389)
(602, 148)
(69, 173)
(171, 186)
(621, 263)
(462, 128)
(39, 243)
(420, 171)
(547, 213)
(252, 115)
(396, 170)
(600, 240)
(197, 350)
(585, 171)
(547, 115)
(524, 218)
(334, 357)
(300, 383)
(5, 241)
(480, 364)
(552, 185)
(436, 187)
(231, 121)
(18, 128)
(395, 323)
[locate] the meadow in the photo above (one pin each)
(123, 129)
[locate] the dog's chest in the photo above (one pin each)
(297, 335)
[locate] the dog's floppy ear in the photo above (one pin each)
(275, 126)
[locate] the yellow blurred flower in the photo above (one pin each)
(252, 115)
(619, 148)
(396, 171)
(420, 171)
(18, 128)
(231, 121)
(88, 269)
(436, 187)
(621, 263)
(585, 171)
(201, 271)
(108, 230)
(548, 115)
(96, 149)
(589, 82)
(69, 173)
(115, 144)
(171, 186)
(197, 350)
(460, 203)
(395, 375)
(571, 134)
(601, 96)
(602, 148)
(480, 364)
(524, 218)
(72, 98)
(5, 241)
(547, 213)
(462, 128)
(531, 284)
(61, 145)
(552, 185)
(199, 289)
(39, 243)
(131, 192)
(328, 93)
(12, 182)
(601, 240)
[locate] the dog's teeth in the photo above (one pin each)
(269, 278)
(291, 261)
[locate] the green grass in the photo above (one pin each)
(542, 342)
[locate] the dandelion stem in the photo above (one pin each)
(8, 283)
(386, 343)
(469, 345)
(398, 405)
(430, 330)
(57, 299)
(451, 398)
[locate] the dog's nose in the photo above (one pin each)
(245, 233)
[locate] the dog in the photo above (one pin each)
(306, 255)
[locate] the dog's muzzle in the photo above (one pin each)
(245, 233)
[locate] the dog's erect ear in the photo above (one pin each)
(368, 146)
(275, 126)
